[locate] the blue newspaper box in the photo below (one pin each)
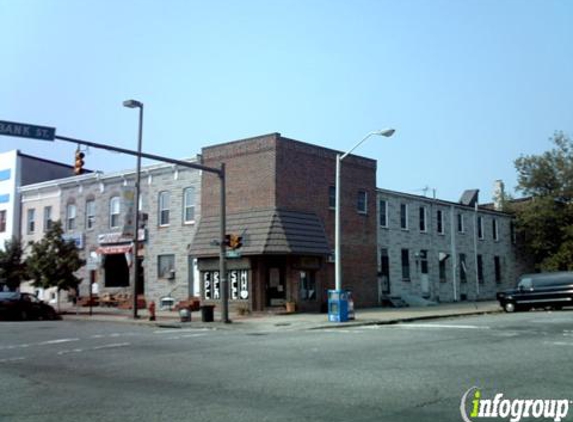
(337, 305)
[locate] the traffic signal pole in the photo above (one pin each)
(220, 172)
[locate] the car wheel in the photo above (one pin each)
(509, 307)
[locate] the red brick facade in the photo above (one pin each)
(275, 172)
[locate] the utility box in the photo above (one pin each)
(338, 305)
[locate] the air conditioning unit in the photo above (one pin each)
(171, 275)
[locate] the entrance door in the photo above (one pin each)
(275, 286)
(384, 273)
(424, 274)
(140, 286)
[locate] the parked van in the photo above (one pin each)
(539, 291)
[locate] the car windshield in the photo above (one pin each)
(525, 283)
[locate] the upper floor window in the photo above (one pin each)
(480, 226)
(90, 214)
(2, 221)
(383, 217)
(404, 216)
(47, 218)
(461, 228)
(114, 212)
(331, 197)
(362, 202)
(189, 205)
(495, 230)
(440, 221)
(164, 199)
(71, 217)
(480, 269)
(423, 213)
(31, 221)
(463, 269)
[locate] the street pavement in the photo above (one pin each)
(287, 322)
(82, 370)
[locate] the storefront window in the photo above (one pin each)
(307, 285)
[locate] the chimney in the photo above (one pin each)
(498, 195)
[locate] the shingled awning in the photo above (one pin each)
(265, 232)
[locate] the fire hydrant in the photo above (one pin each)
(151, 310)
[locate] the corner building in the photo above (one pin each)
(280, 199)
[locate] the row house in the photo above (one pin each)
(443, 251)
(94, 209)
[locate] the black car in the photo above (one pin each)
(23, 306)
(541, 290)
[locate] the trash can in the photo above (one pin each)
(185, 315)
(337, 305)
(207, 314)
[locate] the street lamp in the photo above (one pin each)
(136, 104)
(339, 158)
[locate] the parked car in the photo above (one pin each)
(539, 291)
(23, 306)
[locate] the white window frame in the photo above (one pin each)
(359, 196)
(164, 206)
(165, 266)
(30, 221)
(71, 214)
(90, 214)
(114, 212)
(47, 218)
(383, 204)
(189, 192)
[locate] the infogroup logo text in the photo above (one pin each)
(512, 409)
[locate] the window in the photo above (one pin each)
(383, 217)
(442, 270)
(480, 227)
(461, 228)
(463, 269)
(71, 217)
(512, 232)
(189, 205)
(440, 221)
(31, 221)
(495, 230)
(307, 285)
(331, 197)
(114, 212)
(2, 221)
(90, 214)
(480, 269)
(404, 216)
(164, 208)
(165, 266)
(405, 265)
(423, 219)
(362, 202)
(497, 267)
(47, 218)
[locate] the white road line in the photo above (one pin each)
(559, 343)
(11, 360)
(185, 336)
(459, 327)
(110, 346)
(58, 341)
(181, 330)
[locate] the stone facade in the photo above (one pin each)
(451, 251)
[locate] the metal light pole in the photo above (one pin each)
(339, 158)
(136, 104)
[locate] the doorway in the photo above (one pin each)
(275, 286)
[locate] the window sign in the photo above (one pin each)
(238, 285)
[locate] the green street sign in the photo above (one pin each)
(23, 130)
(233, 254)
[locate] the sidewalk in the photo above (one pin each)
(267, 322)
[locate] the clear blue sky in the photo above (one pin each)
(469, 85)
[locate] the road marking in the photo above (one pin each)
(558, 343)
(185, 336)
(182, 330)
(110, 346)
(8, 360)
(459, 327)
(59, 341)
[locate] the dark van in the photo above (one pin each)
(538, 291)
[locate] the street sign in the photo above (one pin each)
(24, 130)
(233, 254)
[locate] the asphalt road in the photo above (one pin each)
(83, 371)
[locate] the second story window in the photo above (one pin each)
(495, 230)
(461, 228)
(189, 205)
(114, 212)
(2, 221)
(480, 227)
(164, 198)
(404, 216)
(90, 214)
(331, 197)
(71, 217)
(440, 221)
(423, 227)
(47, 218)
(31, 222)
(383, 213)
(362, 202)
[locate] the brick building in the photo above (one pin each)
(280, 199)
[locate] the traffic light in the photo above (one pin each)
(233, 241)
(79, 163)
